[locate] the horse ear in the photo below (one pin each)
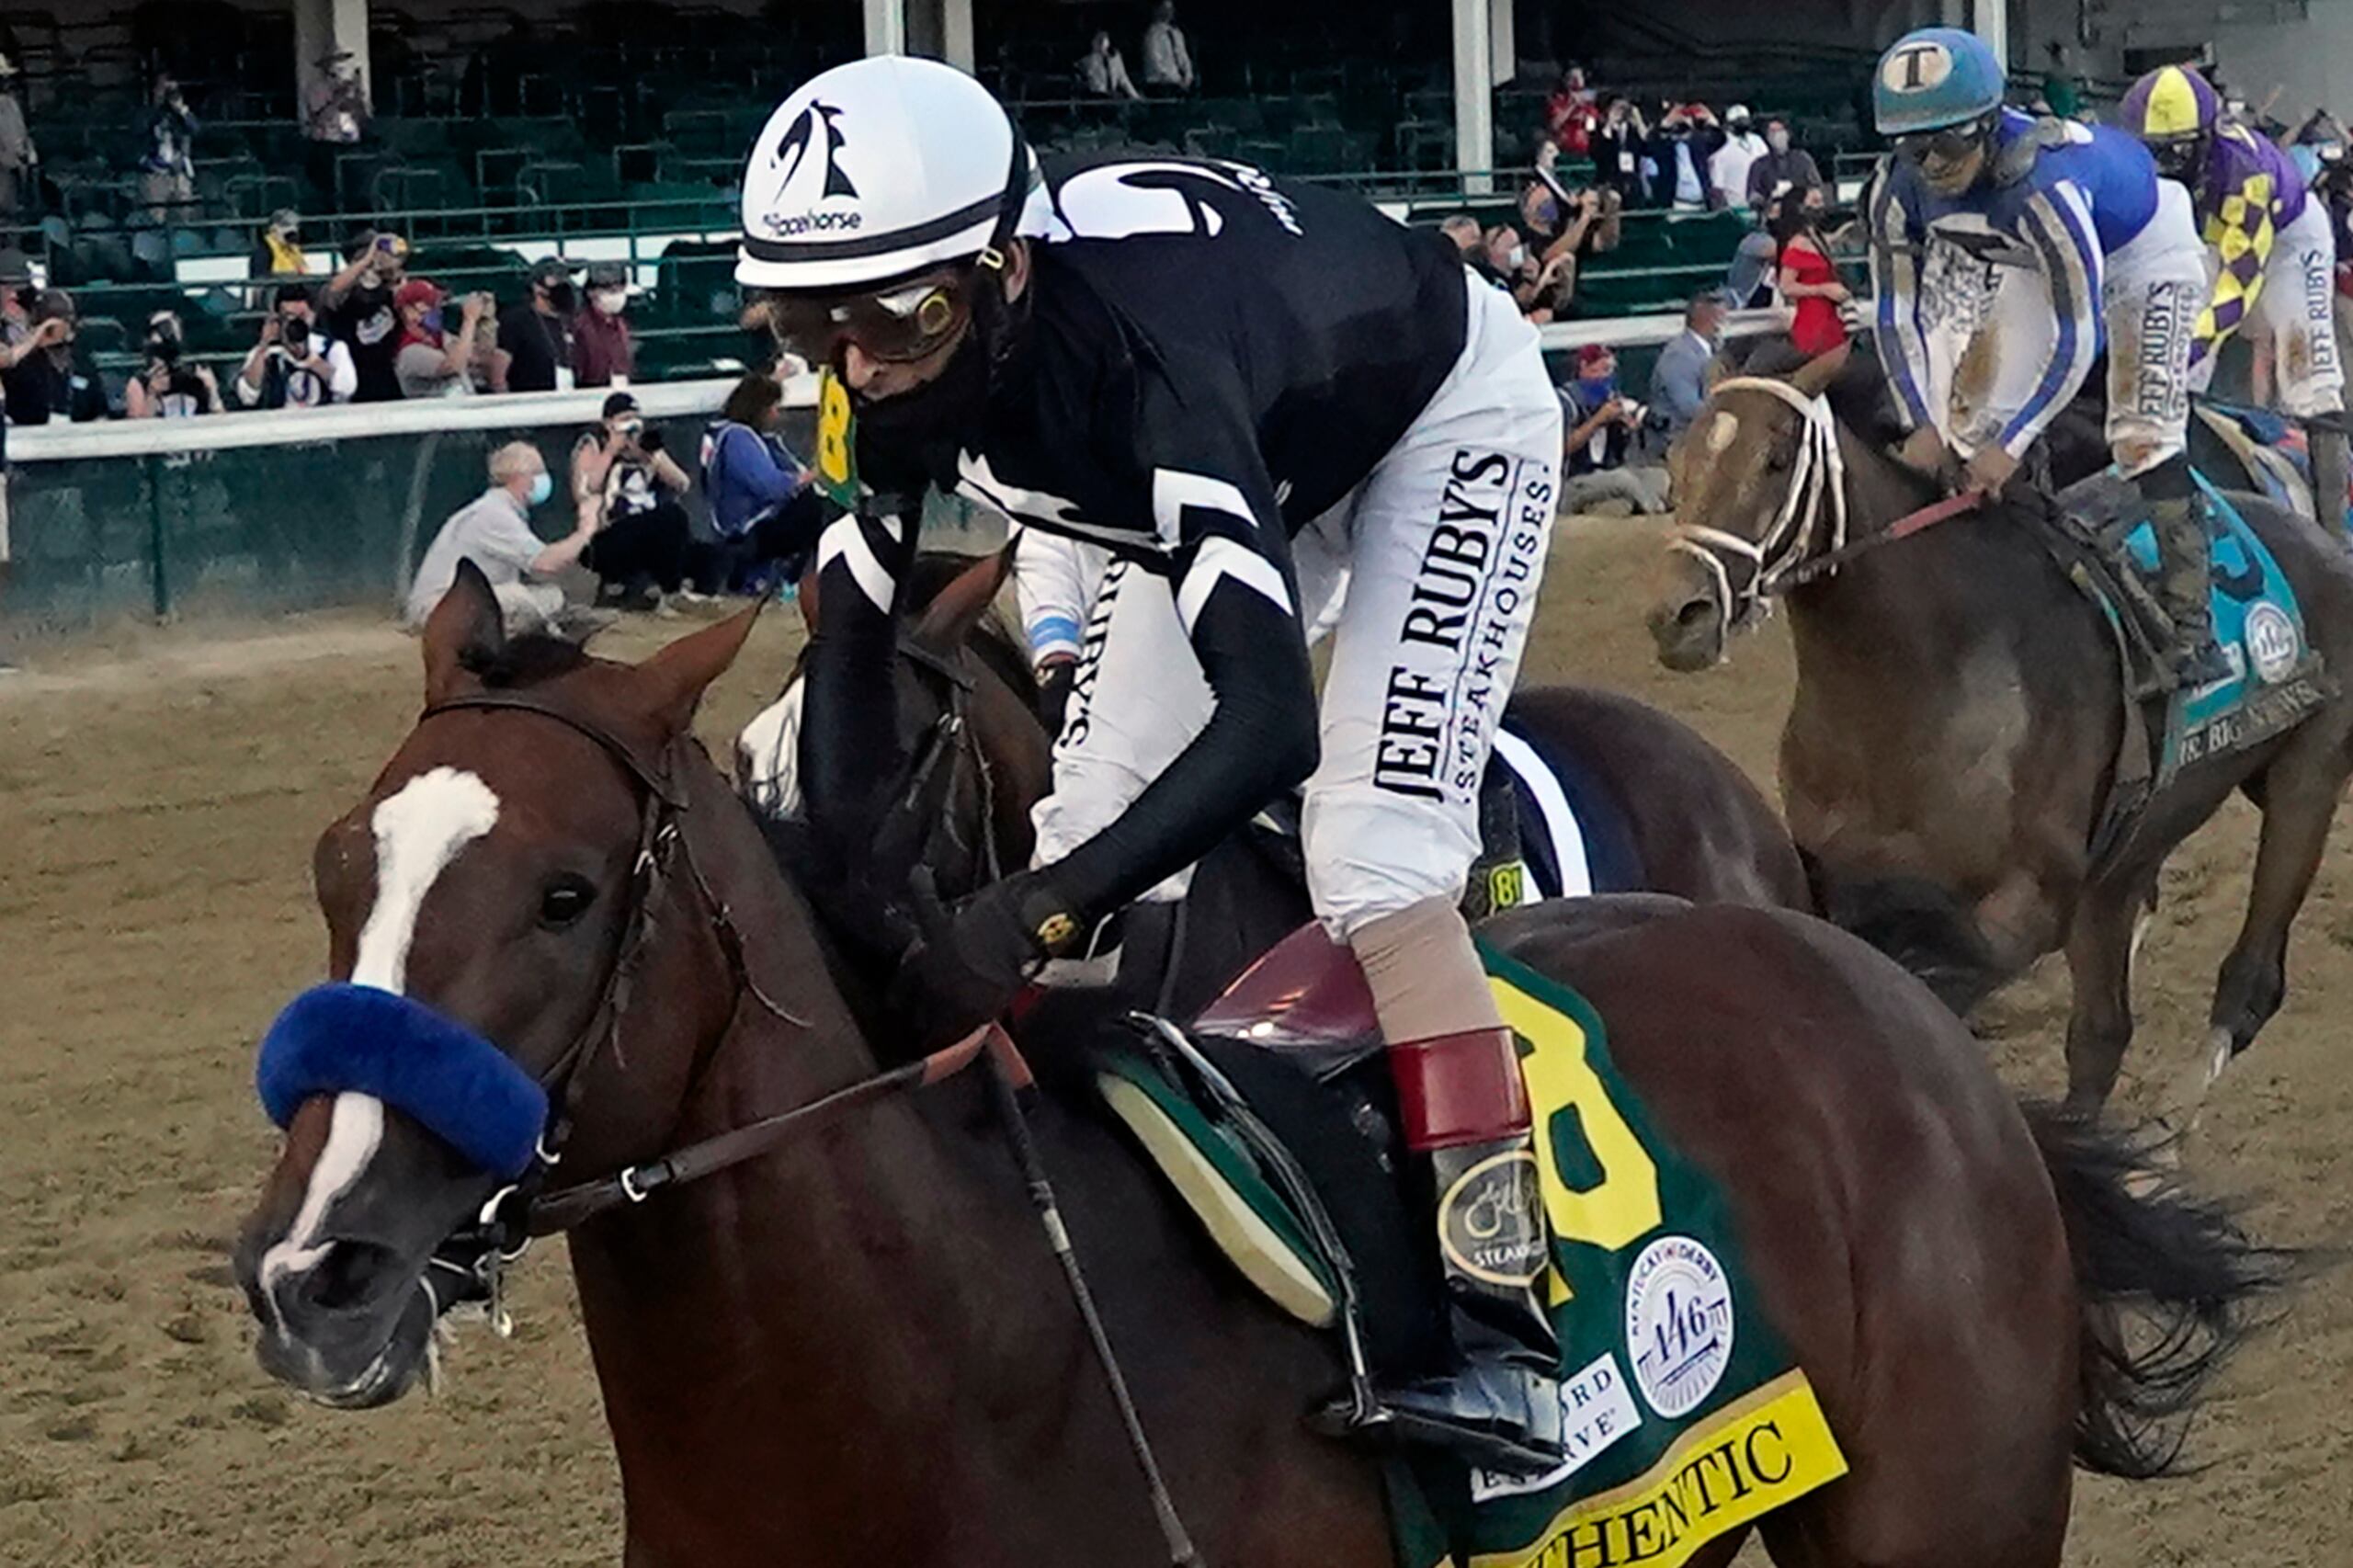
(673, 680)
(466, 629)
(1814, 377)
(950, 616)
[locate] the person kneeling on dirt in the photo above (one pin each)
(764, 505)
(494, 531)
(2111, 254)
(623, 480)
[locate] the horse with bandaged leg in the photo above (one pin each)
(826, 1325)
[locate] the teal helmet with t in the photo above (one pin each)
(1935, 79)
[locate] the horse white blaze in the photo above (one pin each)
(419, 829)
(1722, 430)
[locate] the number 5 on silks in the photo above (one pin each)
(837, 442)
(1623, 1205)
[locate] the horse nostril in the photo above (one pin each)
(349, 1274)
(1694, 615)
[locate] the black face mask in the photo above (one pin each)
(561, 298)
(167, 350)
(925, 426)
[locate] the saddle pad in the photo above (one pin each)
(1687, 1416)
(2274, 679)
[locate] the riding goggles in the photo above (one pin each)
(1947, 146)
(2178, 159)
(906, 322)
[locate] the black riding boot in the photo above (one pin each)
(1465, 1115)
(2178, 517)
(2332, 472)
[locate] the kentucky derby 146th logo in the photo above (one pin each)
(1487, 1224)
(1678, 1323)
(2272, 646)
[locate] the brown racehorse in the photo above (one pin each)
(857, 1349)
(1957, 723)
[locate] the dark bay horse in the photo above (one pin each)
(1958, 716)
(1678, 816)
(856, 1348)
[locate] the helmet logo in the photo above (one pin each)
(1917, 67)
(795, 147)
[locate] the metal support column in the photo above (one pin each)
(1474, 99)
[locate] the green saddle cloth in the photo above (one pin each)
(1688, 1418)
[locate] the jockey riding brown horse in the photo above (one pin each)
(1958, 715)
(853, 1348)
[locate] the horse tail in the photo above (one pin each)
(2166, 1279)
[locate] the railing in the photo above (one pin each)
(251, 513)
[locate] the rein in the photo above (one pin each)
(1808, 539)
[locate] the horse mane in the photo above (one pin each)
(525, 660)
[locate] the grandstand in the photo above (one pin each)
(614, 132)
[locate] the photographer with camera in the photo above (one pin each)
(433, 359)
(47, 377)
(292, 363)
(1602, 423)
(628, 488)
(164, 388)
(360, 313)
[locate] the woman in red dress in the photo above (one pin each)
(1808, 279)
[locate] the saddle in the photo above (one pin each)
(1272, 1118)
(2102, 543)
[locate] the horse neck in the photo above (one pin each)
(1879, 587)
(770, 1309)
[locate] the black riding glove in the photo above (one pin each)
(971, 962)
(1054, 683)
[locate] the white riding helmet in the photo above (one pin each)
(876, 169)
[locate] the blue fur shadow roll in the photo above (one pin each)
(339, 1038)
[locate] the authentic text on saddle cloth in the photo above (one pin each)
(1688, 1418)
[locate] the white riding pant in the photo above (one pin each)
(1991, 332)
(2296, 313)
(1426, 576)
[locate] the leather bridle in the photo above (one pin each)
(1808, 539)
(529, 1207)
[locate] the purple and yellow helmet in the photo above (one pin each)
(2172, 103)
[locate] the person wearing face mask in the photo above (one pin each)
(165, 388)
(1688, 137)
(535, 345)
(1598, 448)
(1728, 167)
(1809, 280)
(494, 531)
(1679, 378)
(293, 364)
(2274, 257)
(1535, 286)
(2023, 246)
(436, 354)
(1246, 390)
(47, 377)
(1780, 168)
(603, 353)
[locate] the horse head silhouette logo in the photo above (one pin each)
(795, 147)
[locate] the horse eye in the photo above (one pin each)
(565, 900)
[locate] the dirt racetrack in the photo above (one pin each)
(158, 798)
